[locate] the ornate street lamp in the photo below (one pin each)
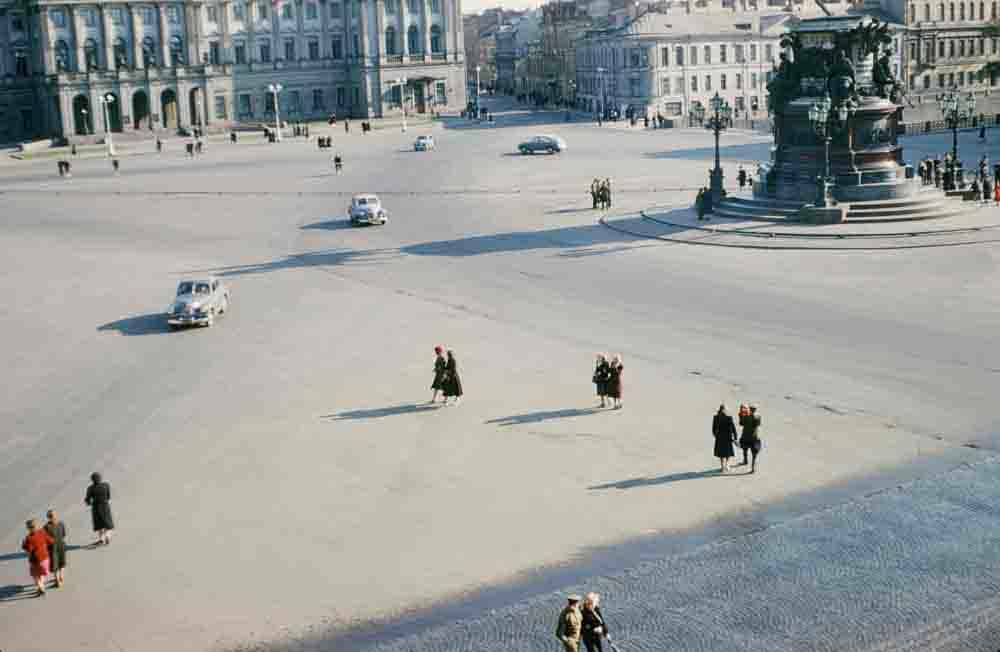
(955, 108)
(106, 101)
(275, 89)
(819, 116)
(401, 81)
(720, 119)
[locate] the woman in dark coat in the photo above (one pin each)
(57, 549)
(615, 381)
(724, 430)
(602, 373)
(439, 372)
(452, 379)
(99, 499)
(594, 628)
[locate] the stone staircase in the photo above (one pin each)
(928, 204)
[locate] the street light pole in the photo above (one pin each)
(720, 120)
(402, 98)
(275, 89)
(106, 100)
(956, 108)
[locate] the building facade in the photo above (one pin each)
(170, 65)
(667, 63)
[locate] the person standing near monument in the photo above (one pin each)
(570, 624)
(741, 177)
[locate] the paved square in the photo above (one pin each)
(279, 480)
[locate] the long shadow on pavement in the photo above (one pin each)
(742, 152)
(543, 415)
(634, 483)
(153, 323)
(13, 592)
(378, 413)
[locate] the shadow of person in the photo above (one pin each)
(13, 592)
(635, 483)
(378, 413)
(543, 415)
(12, 556)
(151, 324)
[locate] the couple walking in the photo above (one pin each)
(584, 623)
(446, 378)
(608, 379)
(724, 431)
(46, 549)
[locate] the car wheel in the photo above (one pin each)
(171, 327)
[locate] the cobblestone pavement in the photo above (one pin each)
(909, 568)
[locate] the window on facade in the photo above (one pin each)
(707, 54)
(341, 96)
(753, 52)
(982, 46)
(436, 41)
(265, 53)
(21, 63)
(390, 6)
(220, 107)
(214, 53)
(753, 81)
(708, 82)
(634, 86)
(951, 12)
(739, 82)
(148, 16)
(317, 99)
(176, 50)
(312, 12)
(633, 58)
(148, 52)
(951, 48)
(993, 46)
(90, 53)
(314, 49)
(738, 53)
(58, 17)
(355, 44)
(390, 41)
(961, 11)
(961, 78)
(665, 86)
(213, 13)
(240, 53)
(239, 13)
(286, 11)
(927, 82)
(722, 53)
(678, 84)
(679, 55)
(289, 49)
(951, 79)
(246, 107)
(356, 96)
(435, 6)
(413, 40)
(117, 15)
(294, 103)
(269, 103)
(262, 10)
(665, 57)
(414, 6)
(121, 53)
(941, 80)
(62, 56)
(17, 22)
(174, 15)
(337, 48)
(336, 10)
(89, 17)
(769, 52)
(440, 93)
(722, 81)
(694, 83)
(694, 56)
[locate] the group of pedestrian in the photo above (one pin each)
(724, 432)
(743, 178)
(600, 193)
(582, 620)
(65, 169)
(608, 379)
(703, 203)
(46, 546)
(324, 142)
(447, 380)
(301, 130)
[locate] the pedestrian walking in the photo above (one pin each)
(602, 374)
(741, 177)
(595, 187)
(99, 499)
(607, 192)
(724, 432)
(570, 624)
(699, 204)
(750, 437)
(452, 385)
(440, 370)
(593, 627)
(347, 126)
(114, 165)
(36, 544)
(982, 132)
(987, 190)
(56, 529)
(338, 163)
(615, 381)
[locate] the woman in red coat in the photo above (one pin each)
(36, 544)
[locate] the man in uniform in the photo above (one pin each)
(570, 624)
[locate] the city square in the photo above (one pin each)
(281, 482)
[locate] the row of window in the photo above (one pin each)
(670, 86)
(148, 16)
(414, 41)
(290, 103)
(955, 48)
(952, 15)
(953, 79)
(640, 57)
(91, 53)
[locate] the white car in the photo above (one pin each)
(198, 302)
(367, 209)
(423, 144)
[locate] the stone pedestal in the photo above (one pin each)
(811, 214)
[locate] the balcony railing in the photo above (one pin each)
(394, 58)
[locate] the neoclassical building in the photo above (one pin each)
(169, 65)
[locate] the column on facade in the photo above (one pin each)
(184, 117)
(78, 38)
(276, 52)
(363, 28)
(107, 35)
(68, 119)
(161, 12)
(445, 26)
(458, 34)
(227, 32)
(427, 27)
(301, 46)
(192, 32)
(404, 29)
(48, 49)
(324, 17)
(250, 18)
(380, 28)
(135, 25)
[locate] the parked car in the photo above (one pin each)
(424, 144)
(198, 302)
(367, 209)
(548, 144)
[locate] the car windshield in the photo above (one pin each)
(185, 287)
(202, 288)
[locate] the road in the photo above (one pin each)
(280, 482)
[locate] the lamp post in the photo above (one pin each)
(955, 109)
(718, 121)
(275, 89)
(819, 116)
(604, 92)
(402, 98)
(107, 100)
(86, 122)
